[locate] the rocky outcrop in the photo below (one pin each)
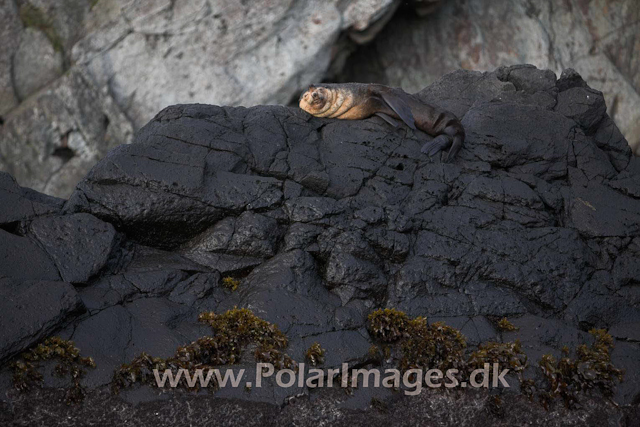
(238, 53)
(323, 221)
(598, 39)
(142, 56)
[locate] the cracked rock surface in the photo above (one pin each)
(324, 221)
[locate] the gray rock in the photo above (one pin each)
(240, 49)
(10, 30)
(36, 63)
(54, 138)
(66, 20)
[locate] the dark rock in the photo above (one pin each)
(569, 79)
(584, 105)
(78, 244)
(22, 259)
(19, 204)
(595, 210)
(114, 324)
(33, 310)
(323, 221)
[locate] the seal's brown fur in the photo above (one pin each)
(355, 101)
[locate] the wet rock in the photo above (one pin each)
(22, 258)
(314, 223)
(114, 324)
(78, 244)
(19, 204)
(593, 210)
(32, 310)
(584, 105)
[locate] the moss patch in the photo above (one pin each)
(26, 370)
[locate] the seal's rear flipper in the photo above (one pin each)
(401, 108)
(455, 147)
(436, 144)
(388, 119)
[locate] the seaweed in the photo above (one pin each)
(315, 354)
(232, 331)
(388, 325)
(505, 325)
(26, 372)
(591, 370)
(508, 354)
(434, 346)
(230, 283)
(442, 347)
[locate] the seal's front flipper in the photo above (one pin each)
(436, 144)
(388, 119)
(401, 108)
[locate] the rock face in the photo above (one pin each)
(214, 51)
(324, 221)
(52, 140)
(211, 51)
(10, 29)
(37, 63)
(599, 39)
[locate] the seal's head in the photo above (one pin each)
(315, 100)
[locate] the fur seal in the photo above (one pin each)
(353, 101)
